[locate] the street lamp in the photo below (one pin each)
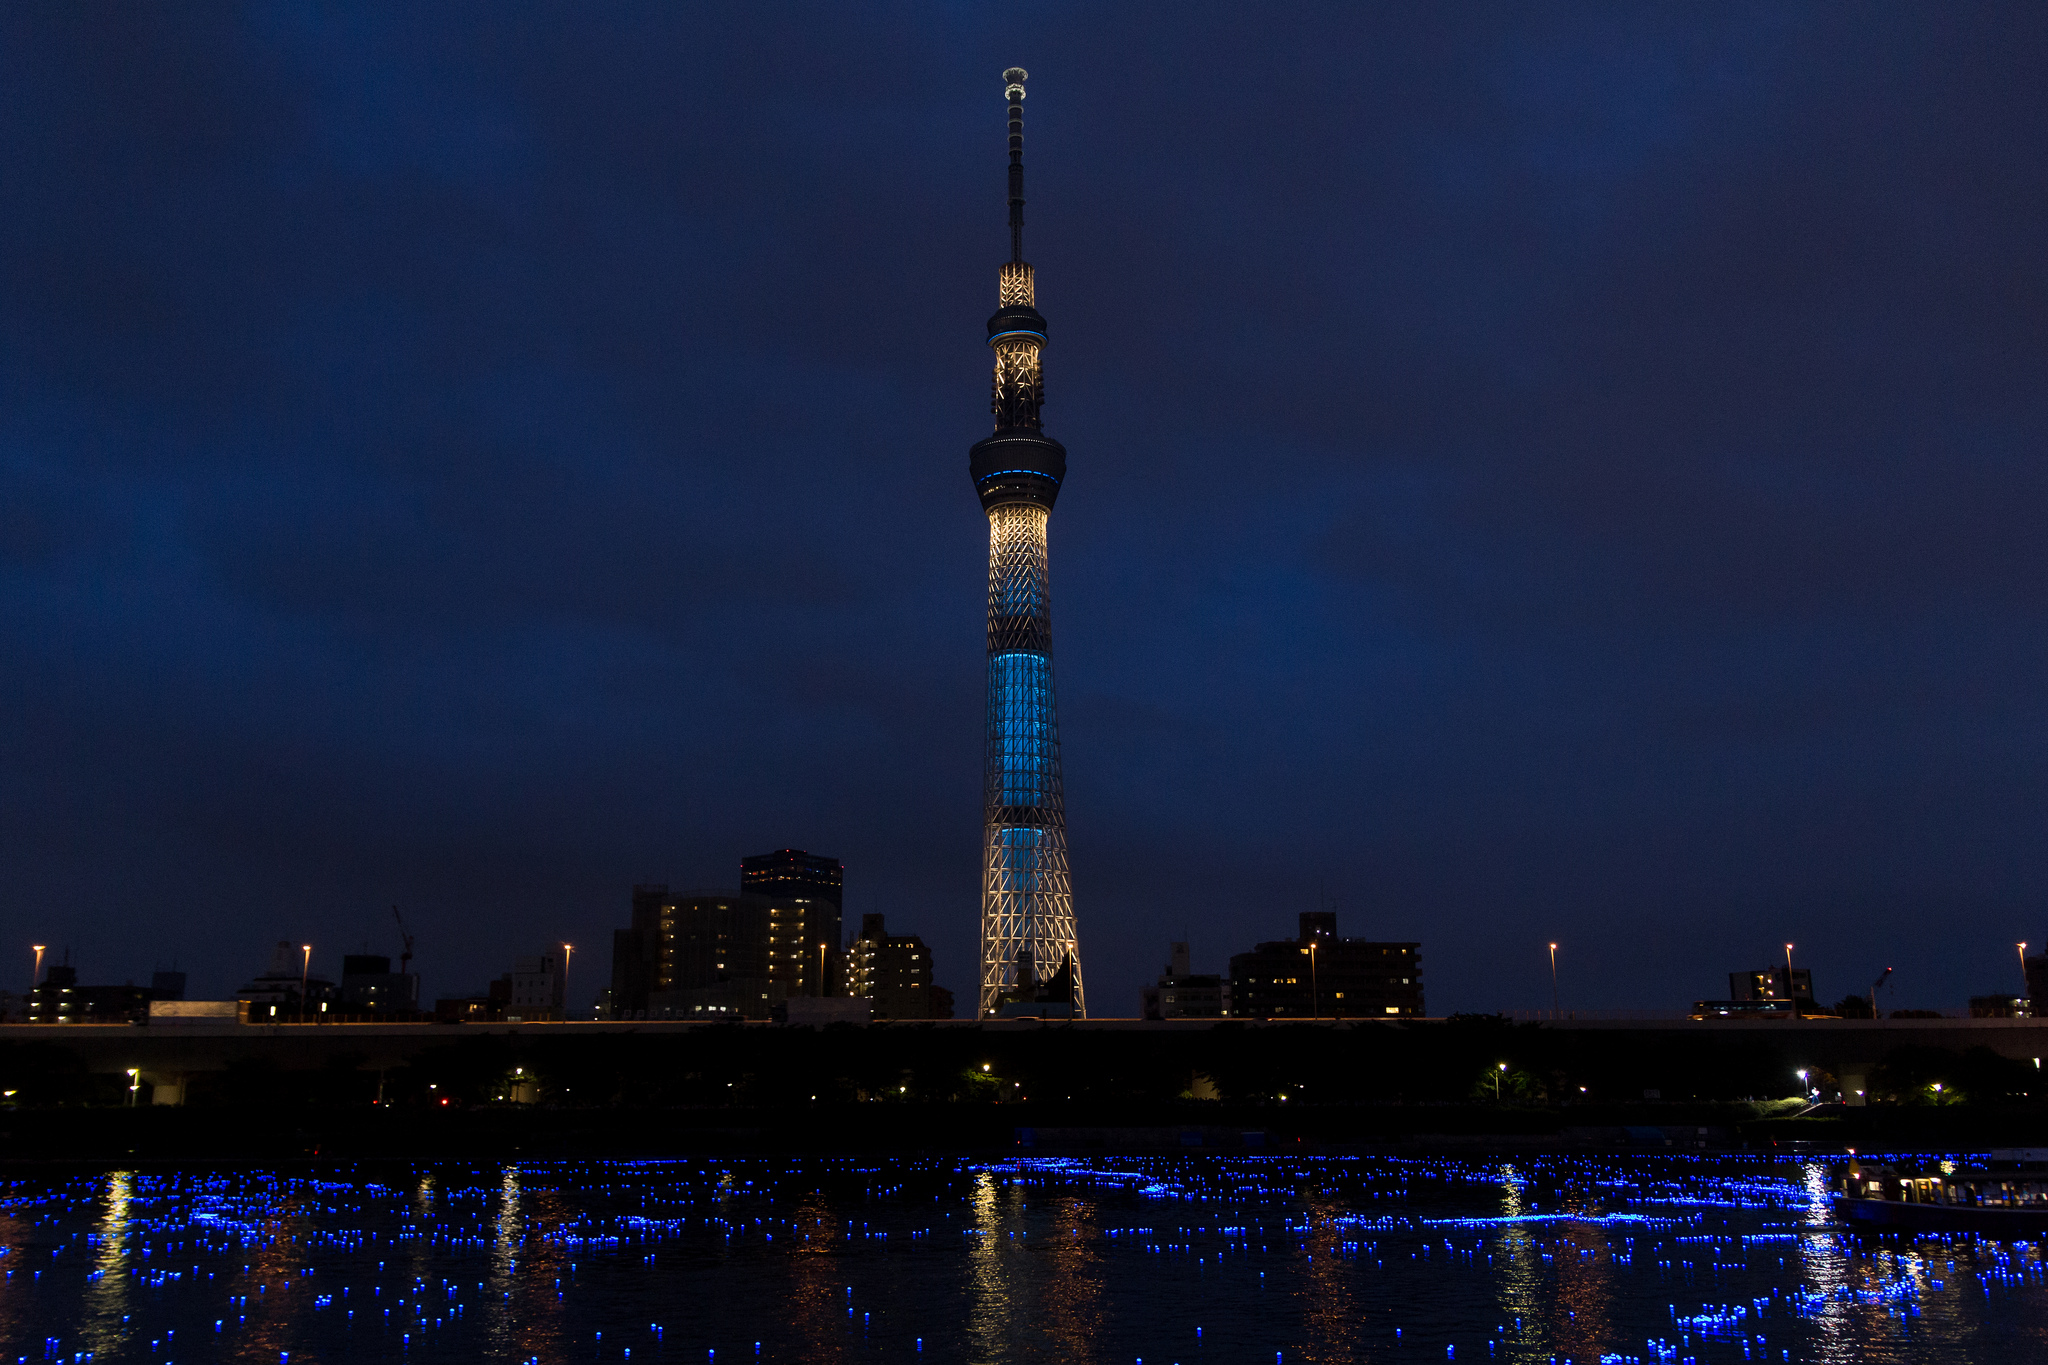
(568, 951)
(2026, 990)
(1553, 983)
(305, 970)
(1496, 1081)
(821, 971)
(1790, 994)
(1315, 993)
(35, 977)
(134, 1084)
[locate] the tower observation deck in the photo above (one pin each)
(1027, 904)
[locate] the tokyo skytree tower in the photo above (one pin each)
(1027, 905)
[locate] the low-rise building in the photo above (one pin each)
(275, 996)
(1183, 993)
(1766, 993)
(59, 999)
(369, 986)
(535, 989)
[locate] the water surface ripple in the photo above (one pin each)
(1168, 1259)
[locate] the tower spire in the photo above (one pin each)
(1013, 86)
(1027, 904)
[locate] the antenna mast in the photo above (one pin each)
(1013, 86)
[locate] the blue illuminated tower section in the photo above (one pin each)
(1027, 904)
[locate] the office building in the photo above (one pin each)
(892, 970)
(1027, 905)
(1321, 976)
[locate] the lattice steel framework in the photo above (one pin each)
(1026, 901)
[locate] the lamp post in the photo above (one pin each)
(821, 971)
(1553, 983)
(1790, 994)
(35, 976)
(134, 1084)
(568, 951)
(1315, 992)
(1496, 1081)
(305, 970)
(2026, 990)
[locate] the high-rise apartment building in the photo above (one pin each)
(1027, 905)
(709, 954)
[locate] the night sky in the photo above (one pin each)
(1536, 472)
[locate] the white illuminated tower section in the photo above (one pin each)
(1027, 904)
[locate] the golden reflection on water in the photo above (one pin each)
(1582, 1314)
(989, 1321)
(1331, 1324)
(1826, 1268)
(817, 1294)
(107, 1292)
(1071, 1314)
(1033, 1298)
(270, 1285)
(498, 1325)
(1518, 1265)
(527, 1303)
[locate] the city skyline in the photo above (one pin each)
(1550, 477)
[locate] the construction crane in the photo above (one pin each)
(404, 958)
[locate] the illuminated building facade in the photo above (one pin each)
(893, 970)
(1027, 905)
(712, 954)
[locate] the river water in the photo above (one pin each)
(1170, 1260)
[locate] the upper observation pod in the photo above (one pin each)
(1019, 463)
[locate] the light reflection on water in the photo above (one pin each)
(1178, 1259)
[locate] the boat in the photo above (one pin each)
(2009, 1198)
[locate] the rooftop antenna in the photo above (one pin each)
(1013, 86)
